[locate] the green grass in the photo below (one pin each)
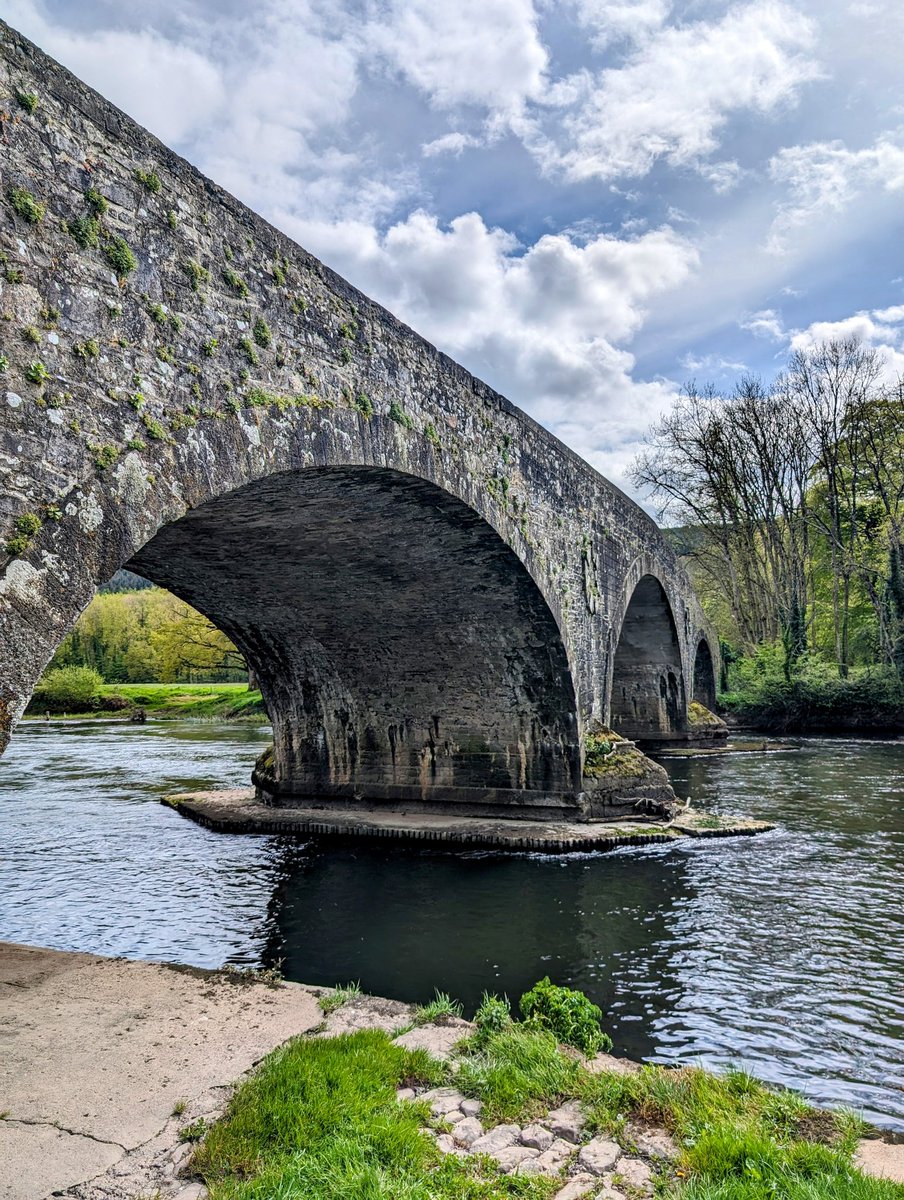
(319, 1121)
(338, 996)
(172, 701)
(740, 1140)
(442, 1005)
(518, 1073)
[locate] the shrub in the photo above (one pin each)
(27, 100)
(69, 689)
(149, 180)
(235, 281)
(569, 1014)
(196, 274)
(398, 414)
(364, 405)
(262, 334)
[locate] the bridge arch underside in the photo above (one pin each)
(402, 648)
(704, 676)
(648, 701)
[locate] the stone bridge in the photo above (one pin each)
(439, 599)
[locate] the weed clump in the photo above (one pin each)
(27, 100)
(84, 231)
(120, 257)
(26, 206)
(440, 1008)
(398, 414)
(197, 275)
(338, 996)
(262, 334)
(149, 180)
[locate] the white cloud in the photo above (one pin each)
(765, 323)
(612, 21)
(825, 177)
(674, 95)
(172, 89)
(546, 324)
(450, 143)
(881, 329)
(484, 52)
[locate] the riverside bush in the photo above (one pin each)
(817, 700)
(69, 689)
(493, 1015)
(569, 1014)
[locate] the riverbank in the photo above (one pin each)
(168, 702)
(115, 1073)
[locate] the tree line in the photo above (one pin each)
(149, 636)
(789, 496)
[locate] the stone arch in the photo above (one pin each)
(404, 650)
(704, 675)
(648, 701)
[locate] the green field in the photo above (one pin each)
(174, 701)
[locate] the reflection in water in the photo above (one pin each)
(783, 952)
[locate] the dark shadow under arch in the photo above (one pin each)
(648, 700)
(704, 675)
(403, 649)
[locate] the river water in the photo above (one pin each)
(783, 953)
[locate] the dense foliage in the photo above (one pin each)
(790, 499)
(148, 636)
(569, 1014)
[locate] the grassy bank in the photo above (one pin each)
(319, 1119)
(860, 704)
(166, 701)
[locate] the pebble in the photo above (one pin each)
(567, 1121)
(445, 1142)
(599, 1156)
(443, 1100)
(635, 1172)
(608, 1192)
(577, 1186)
(536, 1136)
(471, 1108)
(405, 1094)
(653, 1143)
(513, 1156)
(496, 1139)
(553, 1159)
(467, 1131)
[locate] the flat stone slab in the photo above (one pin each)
(239, 811)
(97, 1052)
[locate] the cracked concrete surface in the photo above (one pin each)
(96, 1052)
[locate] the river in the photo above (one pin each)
(782, 953)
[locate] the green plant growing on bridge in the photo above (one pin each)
(298, 305)
(197, 275)
(104, 456)
(84, 231)
(154, 429)
(441, 1007)
(87, 349)
(30, 334)
(157, 314)
(14, 275)
(431, 434)
(97, 203)
(364, 405)
(340, 994)
(27, 100)
(120, 257)
(262, 334)
(26, 206)
(4, 364)
(37, 372)
(398, 414)
(136, 444)
(149, 180)
(247, 348)
(209, 348)
(26, 527)
(278, 273)
(172, 219)
(50, 315)
(235, 281)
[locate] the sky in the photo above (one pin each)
(587, 203)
